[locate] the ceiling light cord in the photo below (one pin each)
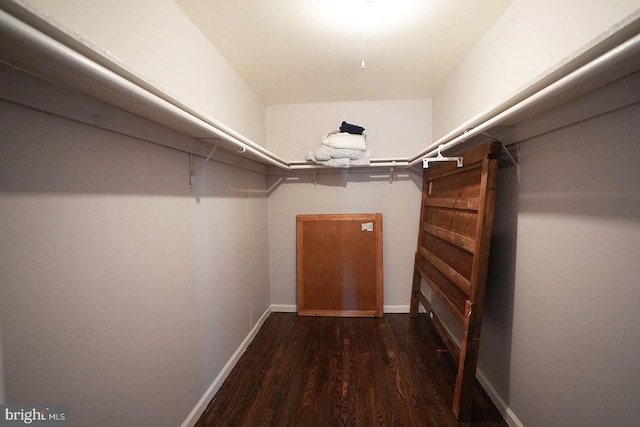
(365, 17)
(362, 64)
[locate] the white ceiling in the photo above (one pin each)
(296, 51)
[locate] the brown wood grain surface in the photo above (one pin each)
(339, 265)
(454, 237)
(336, 371)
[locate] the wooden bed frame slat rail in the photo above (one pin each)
(456, 220)
(463, 204)
(451, 274)
(463, 242)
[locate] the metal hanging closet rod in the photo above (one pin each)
(624, 51)
(45, 43)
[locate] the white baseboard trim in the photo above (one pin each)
(284, 308)
(504, 409)
(195, 414)
(292, 308)
(396, 309)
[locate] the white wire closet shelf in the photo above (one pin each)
(30, 43)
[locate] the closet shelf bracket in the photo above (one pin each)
(193, 172)
(441, 158)
(391, 171)
(513, 161)
(504, 149)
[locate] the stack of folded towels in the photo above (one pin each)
(342, 148)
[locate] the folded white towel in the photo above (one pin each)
(325, 152)
(365, 160)
(342, 140)
(311, 157)
(337, 163)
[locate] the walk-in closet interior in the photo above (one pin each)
(155, 183)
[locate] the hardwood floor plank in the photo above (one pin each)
(344, 372)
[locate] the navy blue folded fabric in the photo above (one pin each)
(349, 128)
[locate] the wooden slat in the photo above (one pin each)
(469, 204)
(462, 283)
(424, 301)
(461, 222)
(463, 242)
(455, 257)
(465, 183)
(444, 297)
(467, 363)
(483, 235)
(444, 170)
(415, 285)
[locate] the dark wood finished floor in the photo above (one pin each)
(329, 371)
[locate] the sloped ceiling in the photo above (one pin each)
(297, 51)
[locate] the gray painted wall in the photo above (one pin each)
(124, 293)
(574, 344)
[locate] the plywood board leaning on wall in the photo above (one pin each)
(339, 263)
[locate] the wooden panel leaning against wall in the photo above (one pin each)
(456, 221)
(339, 263)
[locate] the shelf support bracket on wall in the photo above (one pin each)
(391, 172)
(315, 178)
(193, 172)
(513, 161)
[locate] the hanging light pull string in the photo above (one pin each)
(365, 19)
(362, 65)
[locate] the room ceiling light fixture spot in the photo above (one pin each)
(382, 16)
